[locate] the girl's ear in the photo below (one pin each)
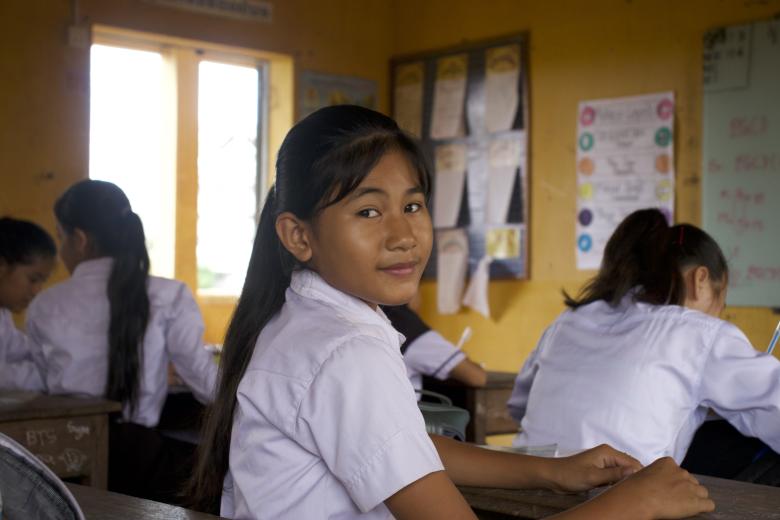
(294, 235)
(697, 282)
(82, 243)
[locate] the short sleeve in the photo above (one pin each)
(518, 401)
(743, 385)
(21, 361)
(184, 343)
(431, 354)
(362, 417)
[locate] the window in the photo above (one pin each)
(184, 128)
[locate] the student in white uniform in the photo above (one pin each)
(111, 330)
(428, 353)
(314, 415)
(27, 258)
(641, 355)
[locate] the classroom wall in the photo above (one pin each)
(578, 50)
(44, 82)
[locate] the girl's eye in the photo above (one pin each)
(414, 207)
(368, 213)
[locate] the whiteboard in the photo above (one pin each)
(741, 157)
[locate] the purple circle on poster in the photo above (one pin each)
(585, 217)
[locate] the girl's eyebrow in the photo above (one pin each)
(368, 190)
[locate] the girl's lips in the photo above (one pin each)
(404, 269)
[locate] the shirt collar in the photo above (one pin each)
(96, 266)
(309, 284)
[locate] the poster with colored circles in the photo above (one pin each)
(624, 162)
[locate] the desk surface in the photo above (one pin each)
(21, 406)
(105, 505)
(733, 501)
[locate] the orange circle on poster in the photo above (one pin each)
(586, 166)
(662, 163)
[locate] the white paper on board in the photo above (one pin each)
(476, 295)
(504, 158)
(449, 95)
(502, 98)
(408, 100)
(450, 177)
(452, 260)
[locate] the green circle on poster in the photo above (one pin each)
(586, 141)
(663, 136)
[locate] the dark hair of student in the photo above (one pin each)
(101, 210)
(322, 159)
(22, 242)
(646, 253)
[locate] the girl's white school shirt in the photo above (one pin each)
(17, 368)
(326, 423)
(641, 378)
(68, 325)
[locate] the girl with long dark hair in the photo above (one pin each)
(27, 258)
(641, 355)
(111, 330)
(314, 415)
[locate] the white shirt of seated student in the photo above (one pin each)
(17, 368)
(68, 323)
(431, 355)
(641, 378)
(326, 424)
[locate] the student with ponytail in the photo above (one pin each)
(111, 330)
(27, 258)
(314, 415)
(641, 355)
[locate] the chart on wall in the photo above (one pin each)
(468, 107)
(625, 162)
(741, 157)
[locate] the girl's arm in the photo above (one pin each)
(433, 497)
(469, 465)
(469, 373)
(661, 490)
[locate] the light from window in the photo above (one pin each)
(131, 142)
(228, 97)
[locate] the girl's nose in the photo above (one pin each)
(400, 234)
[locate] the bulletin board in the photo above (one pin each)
(468, 107)
(741, 157)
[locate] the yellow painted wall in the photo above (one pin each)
(578, 50)
(44, 84)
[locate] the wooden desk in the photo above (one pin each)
(733, 501)
(105, 505)
(70, 435)
(487, 405)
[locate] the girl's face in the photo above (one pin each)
(702, 293)
(73, 247)
(19, 283)
(374, 243)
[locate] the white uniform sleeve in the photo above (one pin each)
(361, 414)
(432, 355)
(184, 343)
(743, 386)
(21, 365)
(518, 401)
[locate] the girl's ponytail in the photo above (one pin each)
(268, 276)
(101, 210)
(129, 309)
(646, 254)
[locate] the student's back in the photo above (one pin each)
(641, 377)
(70, 323)
(641, 355)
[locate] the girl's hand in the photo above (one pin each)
(663, 490)
(594, 467)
